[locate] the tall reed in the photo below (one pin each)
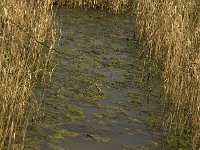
(111, 5)
(25, 27)
(170, 30)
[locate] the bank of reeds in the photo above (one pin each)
(25, 27)
(170, 30)
(111, 5)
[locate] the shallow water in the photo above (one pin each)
(97, 98)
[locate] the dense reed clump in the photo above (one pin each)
(24, 28)
(112, 5)
(170, 30)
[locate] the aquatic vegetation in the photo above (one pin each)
(133, 95)
(111, 114)
(74, 110)
(180, 142)
(61, 134)
(153, 144)
(134, 120)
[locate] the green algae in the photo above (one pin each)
(179, 142)
(61, 134)
(111, 114)
(74, 110)
(134, 120)
(153, 144)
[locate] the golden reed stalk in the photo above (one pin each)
(112, 5)
(24, 25)
(171, 31)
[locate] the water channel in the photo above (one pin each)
(98, 98)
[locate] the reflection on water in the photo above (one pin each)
(96, 99)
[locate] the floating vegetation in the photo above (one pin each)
(153, 144)
(134, 120)
(74, 110)
(111, 114)
(61, 134)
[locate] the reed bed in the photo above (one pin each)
(111, 5)
(25, 29)
(170, 30)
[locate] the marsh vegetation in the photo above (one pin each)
(24, 27)
(99, 74)
(170, 31)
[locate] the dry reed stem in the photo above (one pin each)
(23, 61)
(112, 5)
(171, 31)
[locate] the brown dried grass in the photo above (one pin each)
(111, 5)
(24, 26)
(170, 30)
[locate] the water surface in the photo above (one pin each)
(98, 98)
